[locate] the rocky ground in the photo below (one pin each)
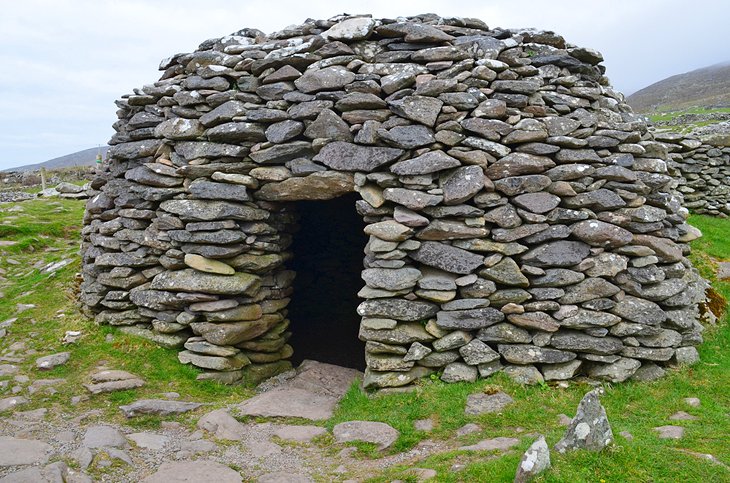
(72, 409)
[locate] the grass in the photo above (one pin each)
(633, 407)
(49, 231)
(661, 114)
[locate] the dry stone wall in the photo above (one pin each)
(519, 216)
(703, 170)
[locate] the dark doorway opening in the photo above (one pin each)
(328, 258)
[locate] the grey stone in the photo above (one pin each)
(615, 372)
(516, 164)
(328, 125)
(600, 234)
(481, 403)
(669, 432)
(477, 352)
(462, 184)
(561, 371)
(158, 407)
(589, 429)
(329, 78)
(104, 437)
(459, 372)
(430, 162)
(152, 441)
(499, 443)
(14, 451)
(316, 186)
(505, 272)
(536, 460)
(588, 289)
(468, 319)
(447, 258)
(366, 431)
(299, 433)
(222, 425)
(505, 333)
(537, 202)
(409, 137)
(580, 342)
(46, 363)
(211, 210)
(527, 375)
(346, 156)
(530, 354)
(418, 108)
(557, 254)
(198, 470)
(639, 310)
(188, 280)
(517, 185)
(391, 279)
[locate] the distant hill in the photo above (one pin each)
(706, 87)
(87, 157)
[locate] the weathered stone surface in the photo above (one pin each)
(46, 363)
(536, 460)
(600, 234)
(528, 354)
(398, 309)
(446, 257)
(211, 210)
(557, 254)
(506, 272)
(374, 432)
(158, 407)
(329, 78)
(188, 280)
(391, 279)
(316, 186)
(468, 319)
(516, 164)
(459, 372)
(208, 265)
(351, 157)
(639, 310)
(481, 403)
(418, 108)
(199, 470)
(462, 184)
(14, 451)
(430, 162)
(617, 371)
(589, 429)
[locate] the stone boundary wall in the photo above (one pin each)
(703, 170)
(520, 217)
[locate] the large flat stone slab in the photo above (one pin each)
(14, 451)
(194, 471)
(312, 394)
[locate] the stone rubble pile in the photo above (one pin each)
(703, 171)
(519, 215)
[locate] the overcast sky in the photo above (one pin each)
(64, 62)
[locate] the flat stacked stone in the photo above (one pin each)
(519, 215)
(703, 170)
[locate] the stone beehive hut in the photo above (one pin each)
(514, 214)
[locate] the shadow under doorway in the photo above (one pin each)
(328, 256)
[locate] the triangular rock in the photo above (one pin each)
(590, 428)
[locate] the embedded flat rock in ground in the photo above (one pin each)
(723, 271)
(15, 451)
(481, 403)
(312, 394)
(193, 471)
(291, 403)
(283, 477)
(495, 444)
(159, 407)
(381, 434)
